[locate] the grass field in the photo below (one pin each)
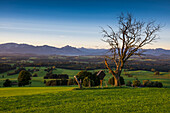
(68, 100)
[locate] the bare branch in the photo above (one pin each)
(131, 37)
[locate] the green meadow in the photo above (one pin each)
(69, 99)
(164, 77)
(90, 100)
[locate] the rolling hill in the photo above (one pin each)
(14, 48)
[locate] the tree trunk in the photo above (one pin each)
(117, 80)
(101, 83)
(78, 82)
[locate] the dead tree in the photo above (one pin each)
(131, 36)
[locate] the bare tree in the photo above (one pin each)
(131, 36)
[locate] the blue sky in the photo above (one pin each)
(75, 22)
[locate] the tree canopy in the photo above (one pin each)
(24, 78)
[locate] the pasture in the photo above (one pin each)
(38, 98)
(164, 77)
(91, 100)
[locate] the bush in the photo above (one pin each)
(35, 75)
(7, 83)
(82, 74)
(149, 84)
(95, 78)
(70, 81)
(122, 82)
(56, 76)
(136, 83)
(87, 81)
(129, 83)
(24, 78)
(44, 81)
(56, 82)
(156, 73)
(158, 84)
(152, 84)
(111, 81)
(145, 82)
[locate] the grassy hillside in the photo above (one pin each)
(141, 75)
(55, 99)
(67, 99)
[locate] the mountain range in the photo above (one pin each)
(14, 48)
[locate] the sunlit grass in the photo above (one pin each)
(65, 100)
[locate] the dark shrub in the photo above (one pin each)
(122, 82)
(62, 76)
(24, 78)
(87, 81)
(45, 77)
(129, 83)
(56, 82)
(70, 82)
(82, 74)
(145, 82)
(95, 78)
(48, 83)
(7, 83)
(53, 83)
(35, 75)
(136, 83)
(63, 82)
(156, 73)
(44, 81)
(157, 84)
(14, 83)
(160, 84)
(55, 76)
(148, 83)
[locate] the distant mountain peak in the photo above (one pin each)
(12, 48)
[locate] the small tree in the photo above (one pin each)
(24, 78)
(88, 82)
(136, 83)
(35, 75)
(156, 73)
(70, 81)
(129, 83)
(7, 83)
(131, 36)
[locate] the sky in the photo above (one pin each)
(76, 22)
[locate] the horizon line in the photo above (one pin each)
(69, 45)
